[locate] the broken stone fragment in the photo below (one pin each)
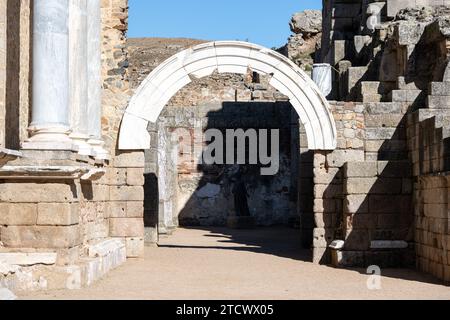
(307, 22)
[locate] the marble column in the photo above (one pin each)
(95, 78)
(50, 103)
(78, 76)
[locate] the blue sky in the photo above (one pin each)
(263, 22)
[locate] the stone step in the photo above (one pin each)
(402, 84)
(405, 95)
(439, 88)
(28, 259)
(371, 87)
(356, 75)
(367, 98)
(438, 102)
(383, 108)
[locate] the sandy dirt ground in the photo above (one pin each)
(259, 264)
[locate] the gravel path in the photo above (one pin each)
(257, 264)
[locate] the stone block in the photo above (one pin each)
(325, 177)
(18, 214)
(397, 169)
(117, 209)
(40, 237)
(367, 98)
(349, 259)
(323, 220)
(338, 158)
(359, 185)
(36, 192)
(383, 108)
(130, 160)
(384, 146)
(126, 227)
(320, 159)
(371, 87)
(115, 176)
(439, 88)
(135, 209)
(382, 244)
(390, 204)
(356, 204)
(320, 254)
(60, 277)
(68, 256)
(360, 221)
(127, 193)
(57, 214)
(360, 169)
(327, 191)
(436, 211)
(387, 186)
(387, 221)
(356, 75)
(135, 177)
(382, 133)
(439, 102)
(28, 259)
(96, 192)
(383, 120)
(357, 240)
(324, 205)
(135, 247)
(105, 248)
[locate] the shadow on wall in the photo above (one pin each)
(204, 194)
(269, 197)
(372, 200)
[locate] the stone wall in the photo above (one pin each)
(363, 190)
(67, 219)
(428, 147)
(328, 177)
(395, 68)
(197, 194)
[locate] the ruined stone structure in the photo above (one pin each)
(365, 173)
(71, 205)
(388, 193)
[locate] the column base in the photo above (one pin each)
(81, 145)
(49, 138)
(97, 149)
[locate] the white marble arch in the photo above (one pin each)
(227, 57)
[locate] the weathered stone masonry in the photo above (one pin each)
(394, 192)
(70, 212)
(66, 219)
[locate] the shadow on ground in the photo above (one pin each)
(279, 241)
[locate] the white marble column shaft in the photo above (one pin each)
(78, 76)
(94, 49)
(50, 103)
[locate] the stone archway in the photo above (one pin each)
(227, 57)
